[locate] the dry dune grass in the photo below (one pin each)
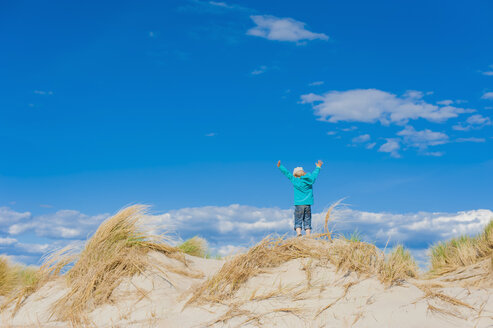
(16, 280)
(398, 266)
(8, 277)
(360, 257)
(116, 250)
(461, 251)
(269, 253)
(346, 255)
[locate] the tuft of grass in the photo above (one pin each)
(355, 236)
(116, 250)
(268, 253)
(195, 246)
(461, 251)
(17, 282)
(398, 266)
(360, 257)
(9, 279)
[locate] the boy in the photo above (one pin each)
(303, 195)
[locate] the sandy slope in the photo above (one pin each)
(299, 293)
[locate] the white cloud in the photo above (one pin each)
(372, 105)
(316, 83)
(361, 138)
(487, 95)
(371, 145)
(9, 216)
(7, 241)
(34, 248)
(471, 139)
(43, 93)
(212, 7)
(219, 4)
(259, 70)
(211, 134)
(445, 102)
(488, 73)
(331, 133)
(392, 146)
(232, 228)
(227, 250)
(422, 139)
(282, 29)
(65, 224)
(434, 153)
(477, 121)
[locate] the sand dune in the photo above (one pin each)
(125, 277)
(302, 292)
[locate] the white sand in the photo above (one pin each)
(280, 297)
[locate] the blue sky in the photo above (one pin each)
(189, 104)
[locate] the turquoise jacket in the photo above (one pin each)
(303, 192)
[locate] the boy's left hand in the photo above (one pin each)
(319, 163)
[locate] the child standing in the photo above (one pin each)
(303, 195)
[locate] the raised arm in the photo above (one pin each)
(285, 171)
(315, 172)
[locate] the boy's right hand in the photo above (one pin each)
(319, 163)
(278, 163)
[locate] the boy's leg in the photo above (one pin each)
(298, 218)
(308, 220)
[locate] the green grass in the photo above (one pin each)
(195, 246)
(462, 251)
(355, 236)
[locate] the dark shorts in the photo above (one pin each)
(302, 217)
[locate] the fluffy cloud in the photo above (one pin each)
(43, 93)
(477, 121)
(361, 138)
(233, 228)
(8, 216)
(392, 147)
(259, 70)
(487, 95)
(471, 139)
(422, 139)
(372, 105)
(66, 224)
(282, 29)
(7, 241)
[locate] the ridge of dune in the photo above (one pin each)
(302, 292)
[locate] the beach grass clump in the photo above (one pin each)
(9, 279)
(195, 246)
(269, 253)
(360, 257)
(116, 250)
(355, 236)
(16, 277)
(17, 282)
(355, 256)
(461, 251)
(398, 266)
